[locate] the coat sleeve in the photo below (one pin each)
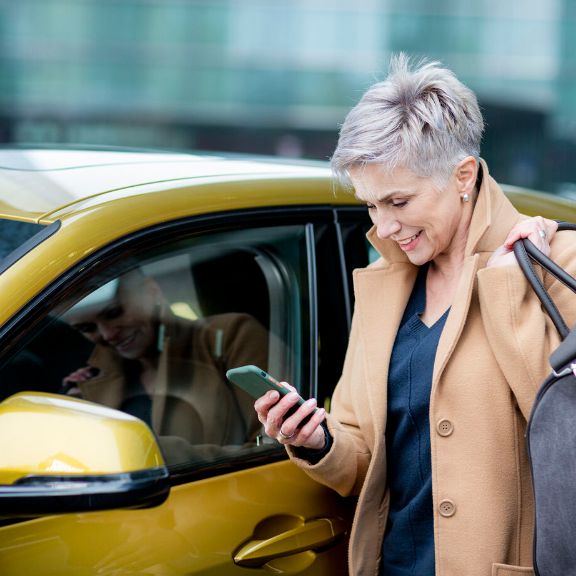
(344, 467)
(521, 334)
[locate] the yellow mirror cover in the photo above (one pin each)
(48, 434)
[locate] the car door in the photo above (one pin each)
(264, 287)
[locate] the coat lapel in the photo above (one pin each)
(381, 297)
(456, 317)
(493, 218)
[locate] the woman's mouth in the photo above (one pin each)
(410, 243)
(125, 343)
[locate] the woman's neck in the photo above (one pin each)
(441, 284)
(444, 271)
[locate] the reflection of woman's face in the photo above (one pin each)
(126, 323)
(424, 222)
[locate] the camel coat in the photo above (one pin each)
(491, 358)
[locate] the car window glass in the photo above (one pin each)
(153, 334)
(14, 233)
(358, 252)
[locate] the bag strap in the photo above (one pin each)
(525, 252)
(564, 355)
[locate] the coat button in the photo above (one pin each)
(444, 427)
(447, 508)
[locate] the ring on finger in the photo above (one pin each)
(286, 436)
(542, 234)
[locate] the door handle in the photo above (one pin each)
(309, 536)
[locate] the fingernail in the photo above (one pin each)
(310, 402)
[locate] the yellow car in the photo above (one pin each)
(131, 281)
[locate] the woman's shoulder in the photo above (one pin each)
(563, 245)
(563, 251)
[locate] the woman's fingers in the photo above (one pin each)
(278, 413)
(287, 423)
(264, 403)
(80, 375)
(303, 428)
(538, 230)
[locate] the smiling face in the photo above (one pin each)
(428, 224)
(126, 322)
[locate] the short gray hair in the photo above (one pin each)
(420, 117)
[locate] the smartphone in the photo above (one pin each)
(257, 382)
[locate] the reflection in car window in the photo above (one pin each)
(154, 335)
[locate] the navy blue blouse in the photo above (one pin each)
(408, 547)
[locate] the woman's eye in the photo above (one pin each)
(85, 328)
(370, 206)
(399, 203)
(113, 313)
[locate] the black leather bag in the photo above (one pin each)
(551, 433)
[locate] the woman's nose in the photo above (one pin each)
(386, 226)
(107, 331)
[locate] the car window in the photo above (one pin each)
(14, 233)
(357, 250)
(340, 248)
(152, 333)
(18, 238)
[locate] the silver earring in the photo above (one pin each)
(465, 197)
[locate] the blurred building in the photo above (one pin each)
(277, 76)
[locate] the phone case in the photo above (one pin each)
(255, 381)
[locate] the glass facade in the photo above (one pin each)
(278, 76)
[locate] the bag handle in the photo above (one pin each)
(525, 252)
(564, 355)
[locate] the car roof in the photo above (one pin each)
(36, 184)
(43, 185)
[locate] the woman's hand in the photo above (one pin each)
(538, 230)
(272, 409)
(70, 382)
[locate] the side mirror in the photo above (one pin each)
(60, 454)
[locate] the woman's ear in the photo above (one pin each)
(466, 174)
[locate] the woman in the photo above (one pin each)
(447, 349)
